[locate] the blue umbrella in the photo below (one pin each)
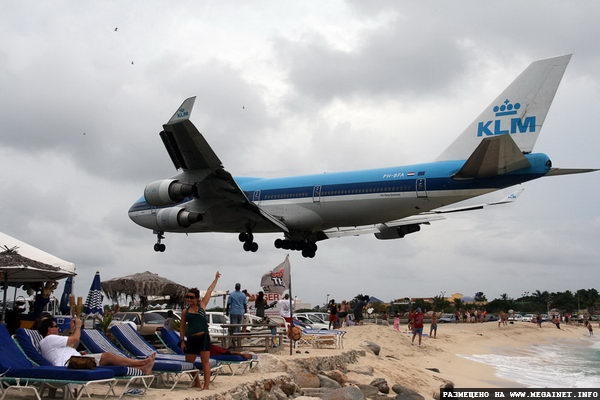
(93, 303)
(65, 307)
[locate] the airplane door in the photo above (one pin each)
(317, 194)
(421, 187)
(256, 196)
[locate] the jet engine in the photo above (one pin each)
(176, 217)
(168, 191)
(397, 232)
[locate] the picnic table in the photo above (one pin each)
(262, 339)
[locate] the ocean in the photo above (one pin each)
(565, 363)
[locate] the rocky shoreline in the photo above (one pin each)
(318, 377)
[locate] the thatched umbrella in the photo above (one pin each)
(144, 284)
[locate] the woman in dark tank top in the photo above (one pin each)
(194, 328)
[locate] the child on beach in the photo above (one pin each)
(589, 326)
(397, 323)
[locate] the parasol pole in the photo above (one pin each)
(4, 302)
(291, 308)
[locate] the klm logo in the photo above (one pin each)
(503, 126)
(181, 113)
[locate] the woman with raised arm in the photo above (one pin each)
(195, 339)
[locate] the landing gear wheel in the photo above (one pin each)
(158, 246)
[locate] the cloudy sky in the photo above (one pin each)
(284, 88)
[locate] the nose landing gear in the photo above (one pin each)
(158, 246)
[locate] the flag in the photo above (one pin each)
(277, 280)
(93, 303)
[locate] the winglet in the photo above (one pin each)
(183, 112)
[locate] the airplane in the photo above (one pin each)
(494, 152)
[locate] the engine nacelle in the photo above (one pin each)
(168, 191)
(175, 218)
(397, 232)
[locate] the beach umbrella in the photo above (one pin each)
(93, 303)
(65, 307)
(143, 285)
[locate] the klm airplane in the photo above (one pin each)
(493, 152)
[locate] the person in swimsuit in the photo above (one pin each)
(194, 328)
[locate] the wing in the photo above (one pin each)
(219, 194)
(399, 228)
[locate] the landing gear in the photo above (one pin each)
(308, 247)
(158, 246)
(248, 239)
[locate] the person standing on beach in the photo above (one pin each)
(433, 327)
(237, 305)
(194, 328)
(358, 309)
(588, 323)
(397, 323)
(332, 308)
(260, 304)
(286, 309)
(417, 325)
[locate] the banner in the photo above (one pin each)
(277, 280)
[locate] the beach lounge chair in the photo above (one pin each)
(18, 373)
(29, 342)
(135, 344)
(170, 339)
(323, 337)
(166, 370)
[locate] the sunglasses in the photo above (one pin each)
(190, 297)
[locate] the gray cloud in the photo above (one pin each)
(278, 95)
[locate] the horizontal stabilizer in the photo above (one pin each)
(507, 199)
(379, 228)
(497, 155)
(569, 171)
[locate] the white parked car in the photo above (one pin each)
(312, 320)
(446, 318)
(515, 317)
(215, 320)
(528, 318)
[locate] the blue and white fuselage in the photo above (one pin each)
(493, 153)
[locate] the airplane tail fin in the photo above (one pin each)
(520, 110)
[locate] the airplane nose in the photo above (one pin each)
(140, 213)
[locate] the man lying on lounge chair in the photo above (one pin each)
(59, 349)
(222, 351)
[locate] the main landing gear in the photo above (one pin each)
(308, 247)
(159, 246)
(248, 239)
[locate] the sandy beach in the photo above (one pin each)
(399, 362)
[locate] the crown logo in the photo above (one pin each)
(507, 108)
(182, 113)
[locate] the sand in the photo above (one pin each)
(406, 364)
